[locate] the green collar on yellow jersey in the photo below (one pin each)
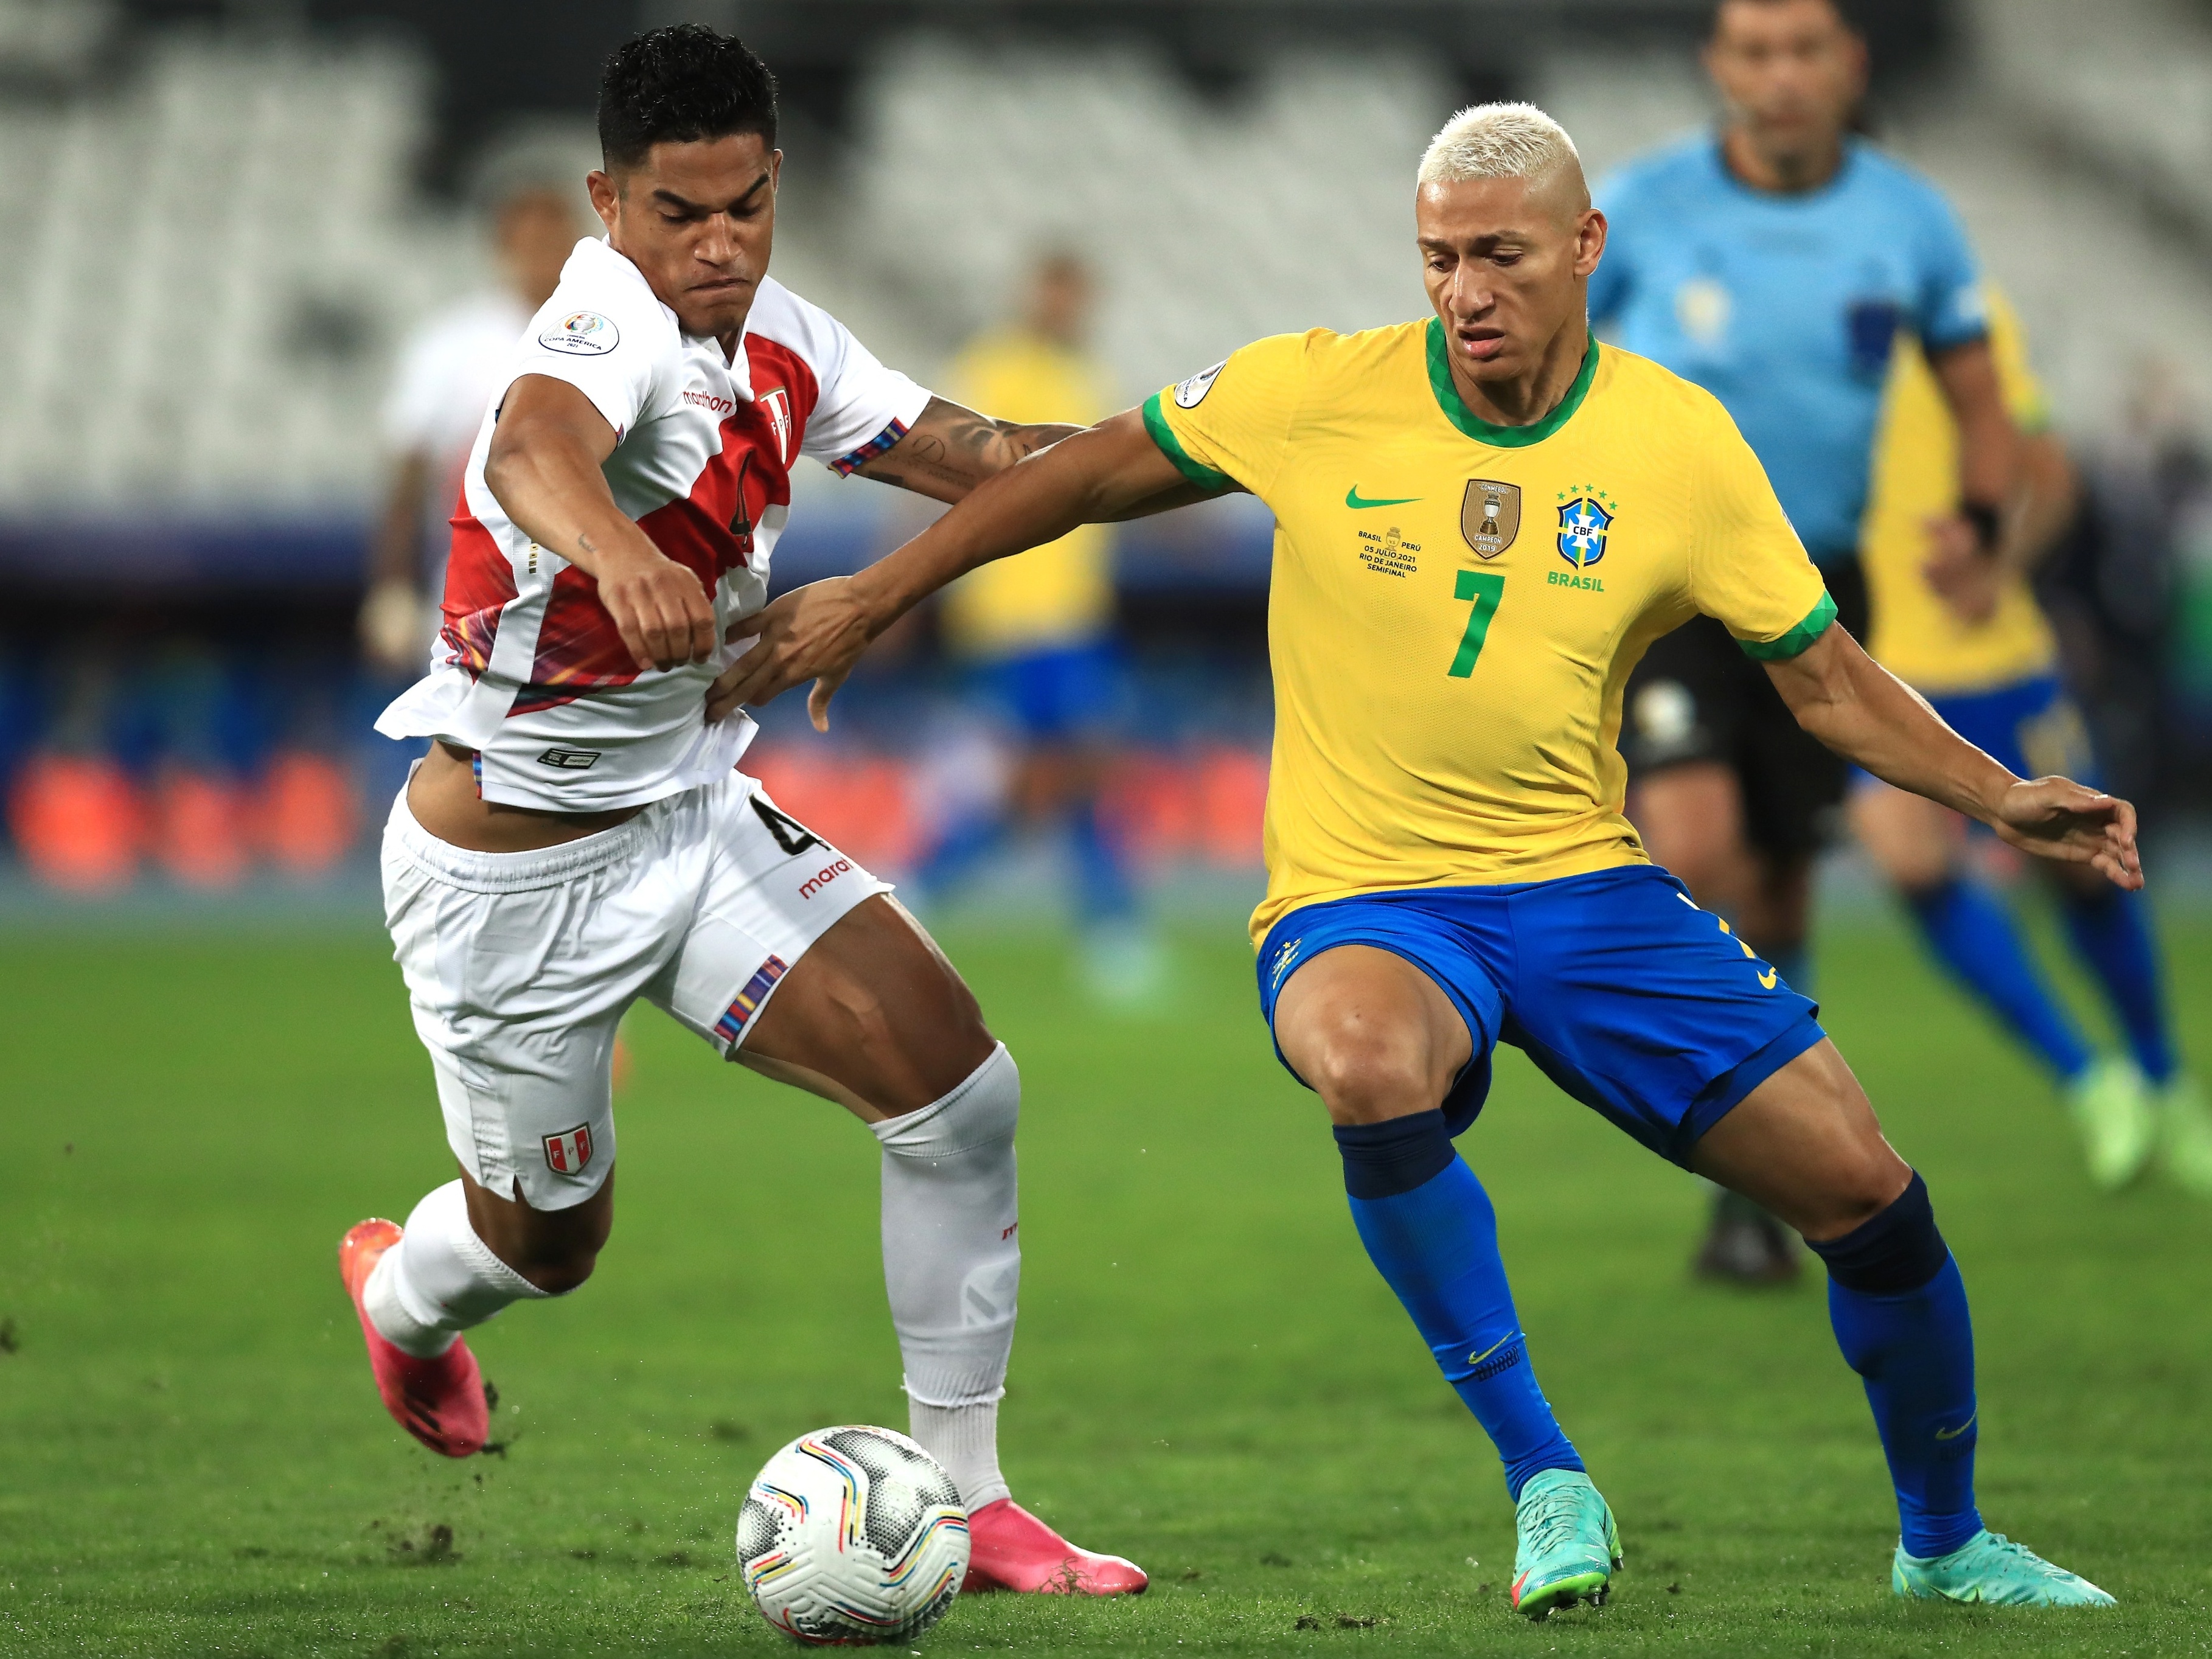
(1503, 437)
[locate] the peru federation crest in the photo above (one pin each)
(566, 1154)
(777, 402)
(1583, 522)
(1490, 516)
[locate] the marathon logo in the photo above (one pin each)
(822, 877)
(570, 760)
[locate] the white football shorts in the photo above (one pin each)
(520, 965)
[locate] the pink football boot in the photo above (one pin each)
(1010, 1549)
(440, 1401)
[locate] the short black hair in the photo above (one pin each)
(1846, 12)
(679, 84)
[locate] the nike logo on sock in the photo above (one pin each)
(1477, 1359)
(1953, 1434)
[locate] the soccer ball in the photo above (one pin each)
(852, 1536)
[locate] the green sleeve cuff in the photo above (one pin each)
(1798, 641)
(1198, 472)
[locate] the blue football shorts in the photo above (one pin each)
(2030, 727)
(1058, 693)
(1625, 994)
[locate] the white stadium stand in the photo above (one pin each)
(210, 256)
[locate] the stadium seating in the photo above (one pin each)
(207, 267)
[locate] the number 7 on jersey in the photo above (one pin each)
(1485, 588)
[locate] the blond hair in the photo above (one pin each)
(1497, 140)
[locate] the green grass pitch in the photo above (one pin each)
(1210, 1377)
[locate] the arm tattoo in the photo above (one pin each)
(949, 450)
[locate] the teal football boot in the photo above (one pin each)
(1991, 1569)
(1569, 1548)
(2185, 1136)
(2111, 1105)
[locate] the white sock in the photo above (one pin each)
(953, 1266)
(440, 1279)
(965, 1440)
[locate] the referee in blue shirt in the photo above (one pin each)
(1774, 262)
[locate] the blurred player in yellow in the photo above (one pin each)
(1956, 620)
(1482, 520)
(1037, 633)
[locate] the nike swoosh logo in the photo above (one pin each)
(1353, 499)
(1953, 1434)
(1768, 978)
(1477, 1359)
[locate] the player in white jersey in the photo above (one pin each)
(448, 370)
(577, 837)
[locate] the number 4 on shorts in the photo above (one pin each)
(790, 833)
(1485, 588)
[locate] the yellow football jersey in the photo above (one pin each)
(1455, 606)
(1062, 593)
(1915, 477)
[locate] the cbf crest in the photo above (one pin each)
(1586, 514)
(1490, 516)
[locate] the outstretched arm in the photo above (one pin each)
(818, 632)
(1868, 715)
(949, 450)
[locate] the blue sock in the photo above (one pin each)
(1430, 1230)
(2111, 932)
(1899, 1307)
(1101, 865)
(1975, 937)
(958, 851)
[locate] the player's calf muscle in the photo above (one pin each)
(555, 1249)
(1806, 1145)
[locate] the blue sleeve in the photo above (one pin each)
(1949, 309)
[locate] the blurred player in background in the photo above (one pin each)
(1038, 633)
(577, 839)
(449, 369)
(1774, 263)
(1481, 521)
(1956, 620)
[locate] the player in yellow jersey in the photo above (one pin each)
(1037, 635)
(1960, 625)
(1482, 519)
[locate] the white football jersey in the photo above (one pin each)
(532, 674)
(449, 370)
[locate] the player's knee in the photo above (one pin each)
(563, 1273)
(1859, 1187)
(1894, 1251)
(1916, 867)
(1365, 1076)
(555, 1250)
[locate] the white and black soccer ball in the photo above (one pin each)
(852, 1536)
